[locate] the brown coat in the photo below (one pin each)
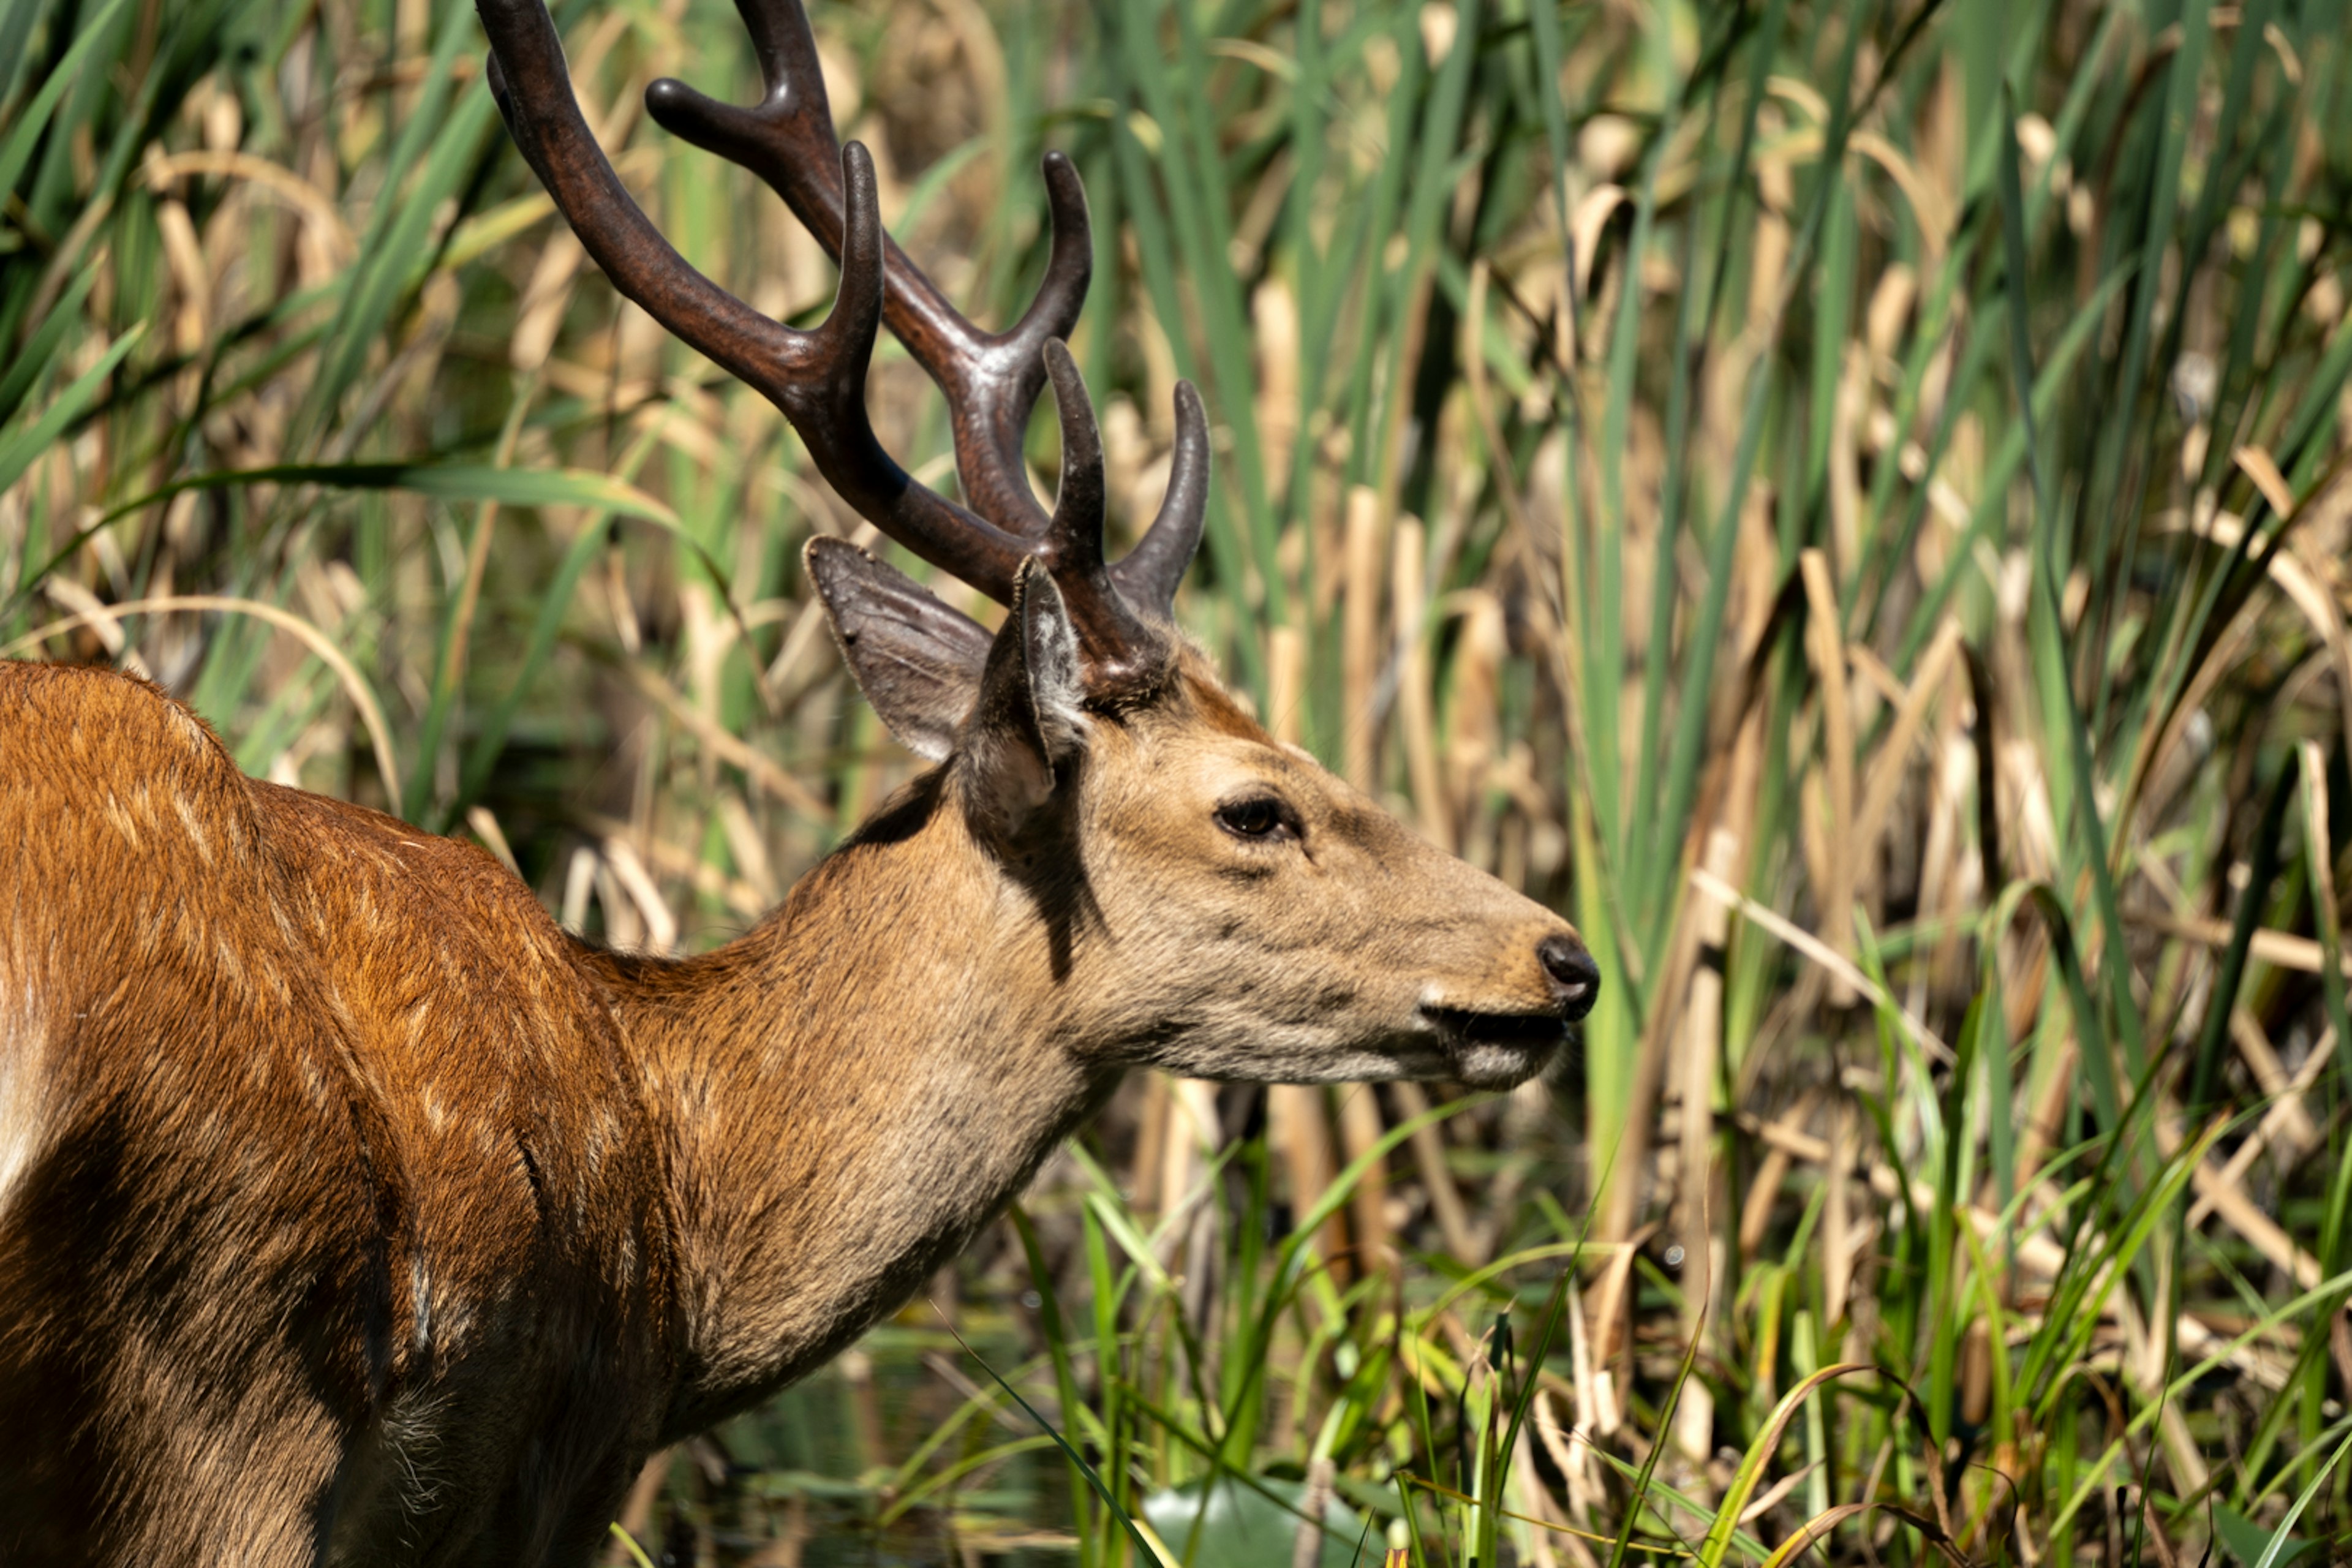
(351, 1212)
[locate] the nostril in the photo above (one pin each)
(1575, 978)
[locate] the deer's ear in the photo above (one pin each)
(1029, 719)
(918, 661)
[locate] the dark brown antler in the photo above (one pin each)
(818, 378)
(992, 380)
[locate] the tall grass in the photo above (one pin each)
(1846, 498)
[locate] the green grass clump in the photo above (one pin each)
(1847, 500)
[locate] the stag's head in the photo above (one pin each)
(1257, 918)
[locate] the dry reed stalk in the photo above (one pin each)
(1286, 686)
(1838, 1230)
(1936, 668)
(485, 828)
(856, 1368)
(2036, 1251)
(1416, 724)
(1950, 884)
(545, 298)
(653, 911)
(1193, 1213)
(681, 866)
(1463, 1238)
(1474, 720)
(1825, 649)
(2302, 582)
(2220, 1194)
(1726, 800)
(1306, 1542)
(2148, 1351)
(1190, 1140)
(1576, 1466)
(728, 747)
(579, 883)
(1360, 640)
(637, 1510)
(1360, 1129)
(313, 205)
(1764, 1190)
(2286, 1123)
(1273, 316)
(2283, 949)
(1145, 1181)
(1612, 1329)
(1699, 1069)
(625, 925)
(1846, 488)
(1838, 967)
(1540, 1508)
(749, 847)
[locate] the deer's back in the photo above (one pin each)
(320, 1165)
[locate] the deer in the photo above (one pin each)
(353, 1212)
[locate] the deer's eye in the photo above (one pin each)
(1256, 817)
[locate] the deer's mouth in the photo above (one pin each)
(1494, 1050)
(1528, 1031)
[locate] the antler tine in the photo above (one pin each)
(827, 405)
(1147, 577)
(533, 90)
(1119, 648)
(816, 378)
(991, 379)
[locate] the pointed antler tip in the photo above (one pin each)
(1066, 203)
(1081, 440)
(1152, 572)
(1076, 532)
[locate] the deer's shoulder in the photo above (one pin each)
(68, 731)
(362, 948)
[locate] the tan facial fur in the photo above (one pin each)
(353, 1212)
(1334, 948)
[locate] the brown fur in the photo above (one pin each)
(350, 1212)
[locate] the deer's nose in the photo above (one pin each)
(1575, 978)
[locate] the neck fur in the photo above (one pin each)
(847, 1093)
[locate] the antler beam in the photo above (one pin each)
(818, 378)
(991, 380)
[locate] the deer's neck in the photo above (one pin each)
(849, 1092)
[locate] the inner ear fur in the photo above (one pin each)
(918, 661)
(1029, 723)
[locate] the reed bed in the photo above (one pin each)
(1846, 498)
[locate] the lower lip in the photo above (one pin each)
(1498, 1067)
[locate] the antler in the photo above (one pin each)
(818, 378)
